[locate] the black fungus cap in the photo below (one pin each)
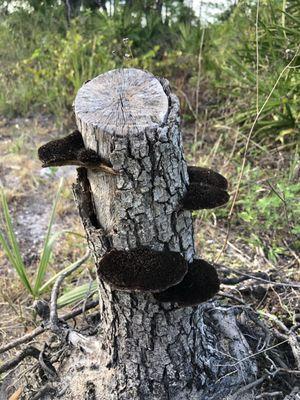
(88, 156)
(142, 269)
(200, 196)
(61, 150)
(207, 176)
(200, 284)
(70, 150)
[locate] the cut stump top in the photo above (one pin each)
(122, 101)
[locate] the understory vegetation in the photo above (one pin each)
(237, 76)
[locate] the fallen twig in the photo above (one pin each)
(250, 386)
(252, 276)
(46, 365)
(267, 395)
(54, 320)
(61, 328)
(234, 281)
(286, 371)
(231, 297)
(55, 324)
(29, 351)
(42, 328)
(289, 335)
(294, 395)
(297, 258)
(17, 394)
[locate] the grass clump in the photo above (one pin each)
(12, 251)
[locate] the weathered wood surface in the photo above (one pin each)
(145, 350)
(122, 102)
(123, 115)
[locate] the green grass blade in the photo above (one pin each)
(19, 270)
(9, 229)
(12, 250)
(292, 17)
(77, 294)
(48, 245)
(68, 268)
(7, 250)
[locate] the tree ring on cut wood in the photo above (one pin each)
(122, 101)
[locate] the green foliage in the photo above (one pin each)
(267, 203)
(46, 75)
(10, 245)
(232, 59)
(269, 210)
(47, 248)
(12, 251)
(49, 60)
(78, 293)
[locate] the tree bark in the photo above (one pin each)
(145, 349)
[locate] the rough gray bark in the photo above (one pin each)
(123, 115)
(144, 349)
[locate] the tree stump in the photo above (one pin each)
(145, 349)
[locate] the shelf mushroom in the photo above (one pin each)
(200, 284)
(207, 189)
(70, 150)
(142, 269)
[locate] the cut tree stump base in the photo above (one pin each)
(80, 377)
(209, 323)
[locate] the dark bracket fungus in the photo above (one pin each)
(61, 151)
(207, 177)
(70, 150)
(200, 284)
(142, 269)
(200, 196)
(207, 189)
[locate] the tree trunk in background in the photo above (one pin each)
(72, 8)
(146, 350)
